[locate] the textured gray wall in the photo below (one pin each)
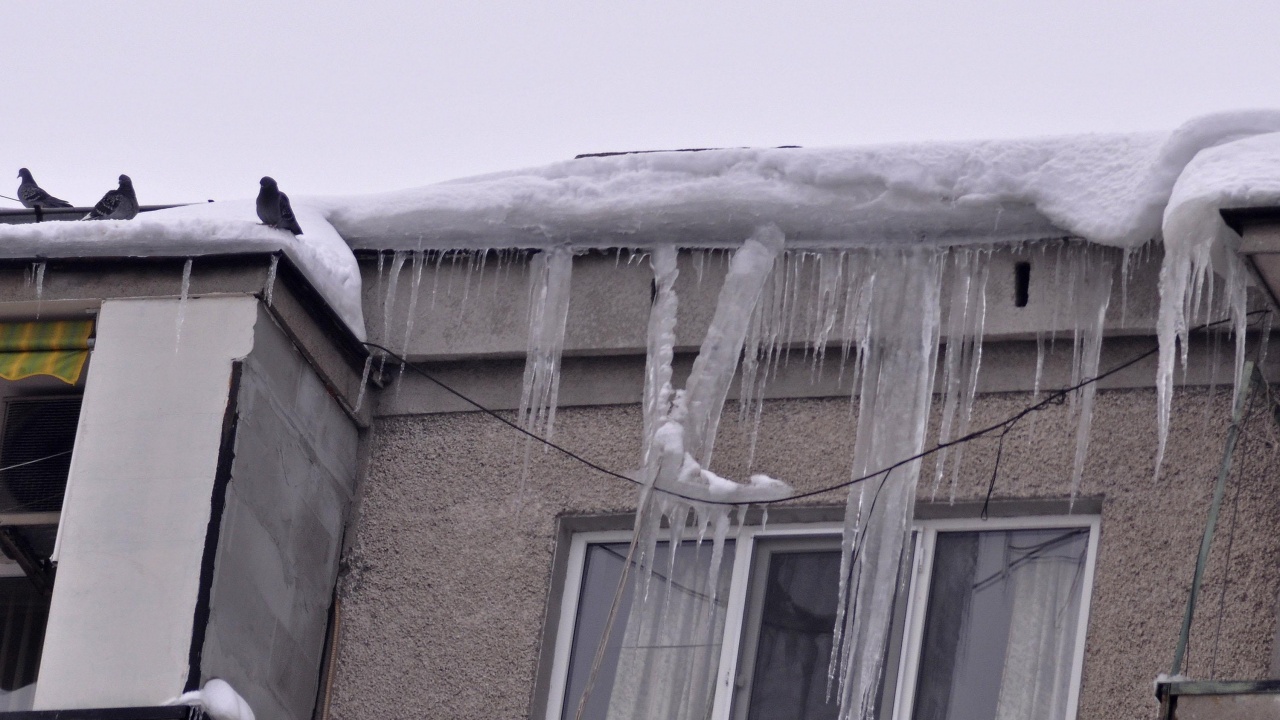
(291, 485)
(451, 568)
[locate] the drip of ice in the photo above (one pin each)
(550, 273)
(1197, 244)
(271, 278)
(389, 301)
(364, 382)
(182, 302)
(1092, 272)
(678, 488)
(966, 319)
(377, 288)
(39, 287)
(897, 326)
(418, 261)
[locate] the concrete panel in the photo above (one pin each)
(467, 311)
(277, 561)
(1007, 366)
(138, 501)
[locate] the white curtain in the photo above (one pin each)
(1042, 633)
(671, 643)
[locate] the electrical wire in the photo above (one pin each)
(1056, 397)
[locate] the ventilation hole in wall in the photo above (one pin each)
(1021, 284)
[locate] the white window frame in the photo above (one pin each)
(926, 533)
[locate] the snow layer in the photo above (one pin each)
(195, 230)
(1244, 173)
(218, 699)
(1110, 189)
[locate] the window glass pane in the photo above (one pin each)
(789, 678)
(1000, 627)
(23, 615)
(644, 647)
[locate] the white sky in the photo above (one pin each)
(198, 100)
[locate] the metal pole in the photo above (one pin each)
(1233, 434)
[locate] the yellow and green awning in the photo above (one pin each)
(56, 348)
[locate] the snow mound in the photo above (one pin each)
(1110, 189)
(218, 699)
(211, 228)
(1244, 173)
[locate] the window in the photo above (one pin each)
(38, 435)
(990, 625)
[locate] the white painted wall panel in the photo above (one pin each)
(138, 501)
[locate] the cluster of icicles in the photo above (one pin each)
(892, 312)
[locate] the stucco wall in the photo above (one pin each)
(282, 529)
(449, 575)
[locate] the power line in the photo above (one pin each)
(1004, 426)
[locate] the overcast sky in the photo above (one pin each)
(198, 100)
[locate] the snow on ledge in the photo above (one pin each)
(206, 229)
(1110, 189)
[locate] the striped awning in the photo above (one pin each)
(57, 348)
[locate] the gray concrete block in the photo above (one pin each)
(310, 551)
(276, 359)
(250, 552)
(295, 674)
(312, 398)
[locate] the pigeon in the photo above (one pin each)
(274, 209)
(31, 195)
(219, 700)
(118, 204)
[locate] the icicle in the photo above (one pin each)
(435, 278)
(717, 360)
(549, 275)
(1125, 271)
(1190, 234)
(899, 350)
(182, 303)
(377, 291)
(1093, 300)
(1035, 385)
(828, 302)
(389, 300)
(39, 287)
(966, 320)
(466, 283)
(271, 277)
(419, 260)
(661, 347)
(364, 382)
(1265, 340)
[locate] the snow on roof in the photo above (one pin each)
(1110, 189)
(205, 229)
(1240, 174)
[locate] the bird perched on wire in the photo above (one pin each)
(118, 204)
(32, 195)
(274, 209)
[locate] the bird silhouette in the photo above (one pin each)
(32, 195)
(118, 204)
(274, 209)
